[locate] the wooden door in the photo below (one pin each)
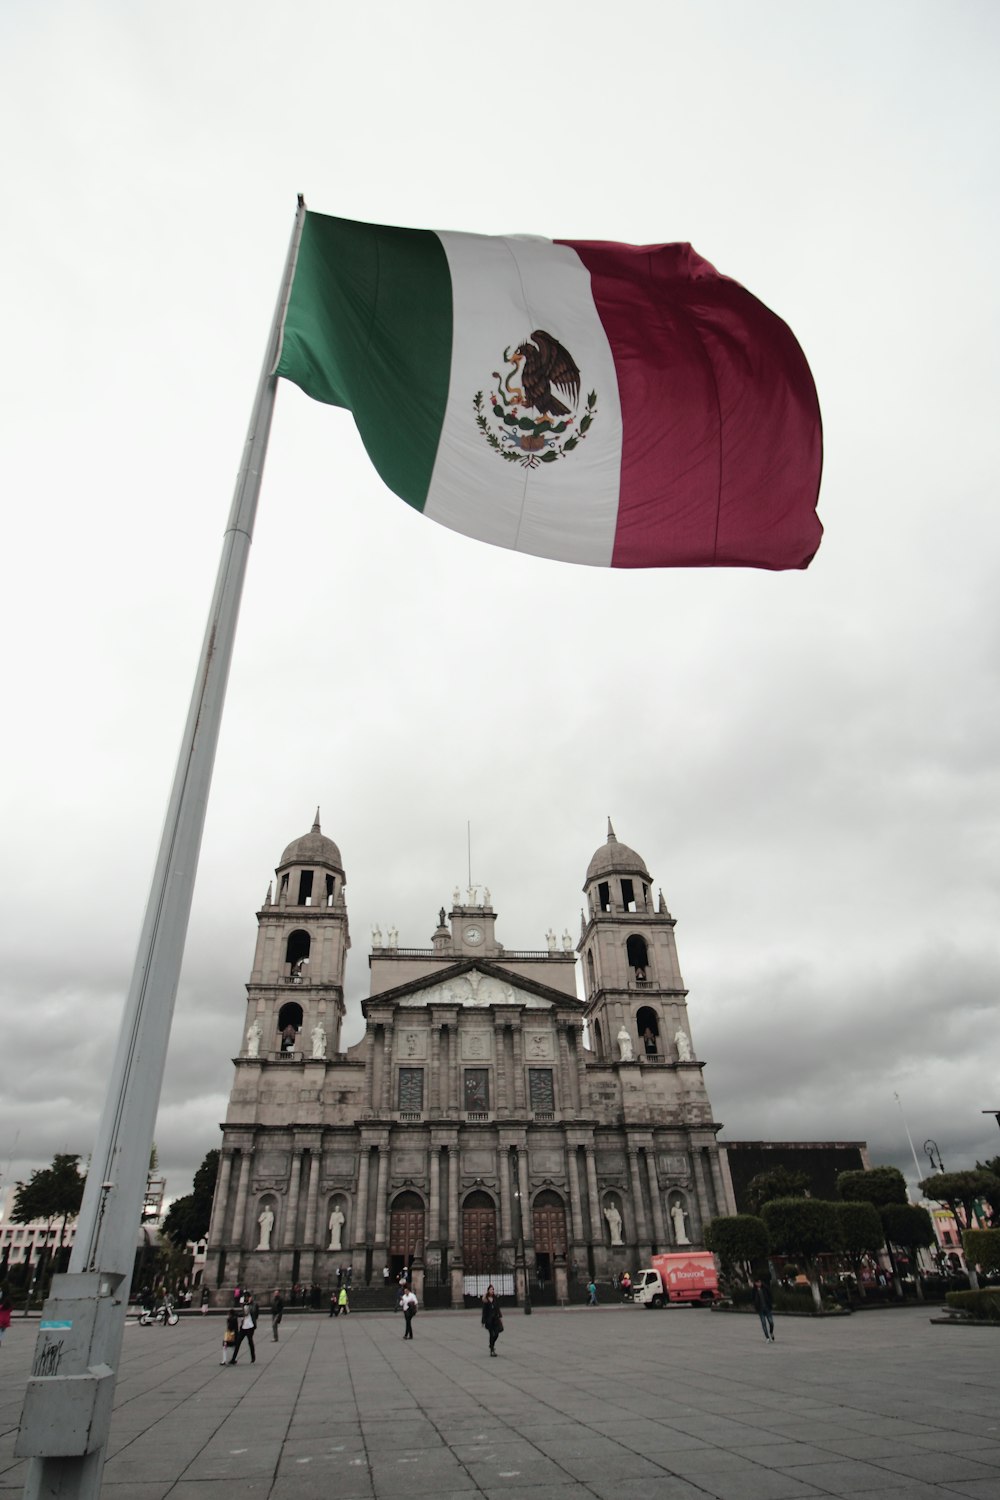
(549, 1223)
(479, 1241)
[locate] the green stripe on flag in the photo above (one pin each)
(369, 327)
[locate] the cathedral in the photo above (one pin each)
(490, 1124)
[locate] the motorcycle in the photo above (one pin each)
(163, 1315)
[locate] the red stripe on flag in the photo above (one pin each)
(721, 434)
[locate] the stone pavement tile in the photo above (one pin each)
(531, 1492)
(870, 1422)
(755, 1484)
(778, 1454)
(223, 1489)
(912, 1491)
(853, 1445)
(704, 1460)
(843, 1476)
(621, 1466)
(650, 1437)
(131, 1490)
(665, 1487)
(809, 1430)
(975, 1444)
(540, 1471)
(977, 1489)
(937, 1468)
(390, 1481)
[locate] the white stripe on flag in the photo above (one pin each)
(502, 290)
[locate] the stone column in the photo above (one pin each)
(380, 1194)
(240, 1212)
(454, 1244)
(527, 1223)
(435, 1103)
(359, 1236)
(453, 1069)
(370, 1080)
(566, 1101)
(387, 1032)
(519, 1104)
(312, 1200)
(575, 1206)
(435, 1211)
(596, 1217)
(501, 1104)
(294, 1182)
(503, 1172)
(655, 1197)
(221, 1201)
(638, 1206)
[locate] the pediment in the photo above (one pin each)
(473, 989)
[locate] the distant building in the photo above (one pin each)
(821, 1161)
(21, 1242)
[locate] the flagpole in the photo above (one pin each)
(67, 1409)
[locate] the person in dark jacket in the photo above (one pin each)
(493, 1319)
(489, 1299)
(761, 1298)
(247, 1314)
(277, 1313)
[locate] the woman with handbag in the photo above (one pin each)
(229, 1338)
(493, 1319)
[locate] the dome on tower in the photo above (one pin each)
(614, 858)
(313, 848)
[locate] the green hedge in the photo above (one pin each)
(797, 1299)
(982, 1304)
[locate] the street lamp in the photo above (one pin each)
(932, 1147)
(519, 1234)
(994, 1112)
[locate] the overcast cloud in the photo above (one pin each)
(807, 762)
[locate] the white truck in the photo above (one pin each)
(682, 1276)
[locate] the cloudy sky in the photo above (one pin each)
(807, 761)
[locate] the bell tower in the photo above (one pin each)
(631, 975)
(297, 981)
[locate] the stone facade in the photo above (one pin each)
(471, 1132)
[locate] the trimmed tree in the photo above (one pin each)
(860, 1235)
(740, 1241)
(982, 1248)
(779, 1182)
(910, 1228)
(878, 1185)
(188, 1218)
(803, 1229)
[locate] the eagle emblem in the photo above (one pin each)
(533, 414)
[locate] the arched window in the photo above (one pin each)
(648, 1026)
(598, 1044)
(635, 948)
(297, 954)
(289, 1025)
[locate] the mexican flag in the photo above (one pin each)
(618, 405)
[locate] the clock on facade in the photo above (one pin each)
(473, 934)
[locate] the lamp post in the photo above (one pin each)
(932, 1148)
(519, 1264)
(994, 1112)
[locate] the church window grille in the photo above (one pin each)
(540, 1089)
(638, 955)
(330, 887)
(604, 896)
(411, 1089)
(628, 895)
(305, 888)
(477, 1089)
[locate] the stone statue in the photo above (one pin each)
(683, 1044)
(614, 1219)
(376, 937)
(393, 937)
(319, 1040)
(680, 1227)
(625, 1045)
(487, 899)
(567, 940)
(266, 1221)
(456, 896)
(253, 1039)
(550, 938)
(441, 917)
(336, 1225)
(472, 895)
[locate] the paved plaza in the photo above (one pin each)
(614, 1403)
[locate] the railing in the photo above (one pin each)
(478, 1115)
(642, 984)
(410, 1115)
(545, 1114)
(287, 1057)
(652, 1057)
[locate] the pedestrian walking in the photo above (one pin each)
(762, 1302)
(247, 1315)
(229, 1337)
(5, 1311)
(626, 1286)
(343, 1306)
(409, 1305)
(592, 1293)
(334, 1309)
(489, 1298)
(493, 1320)
(277, 1313)
(205, 1299)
